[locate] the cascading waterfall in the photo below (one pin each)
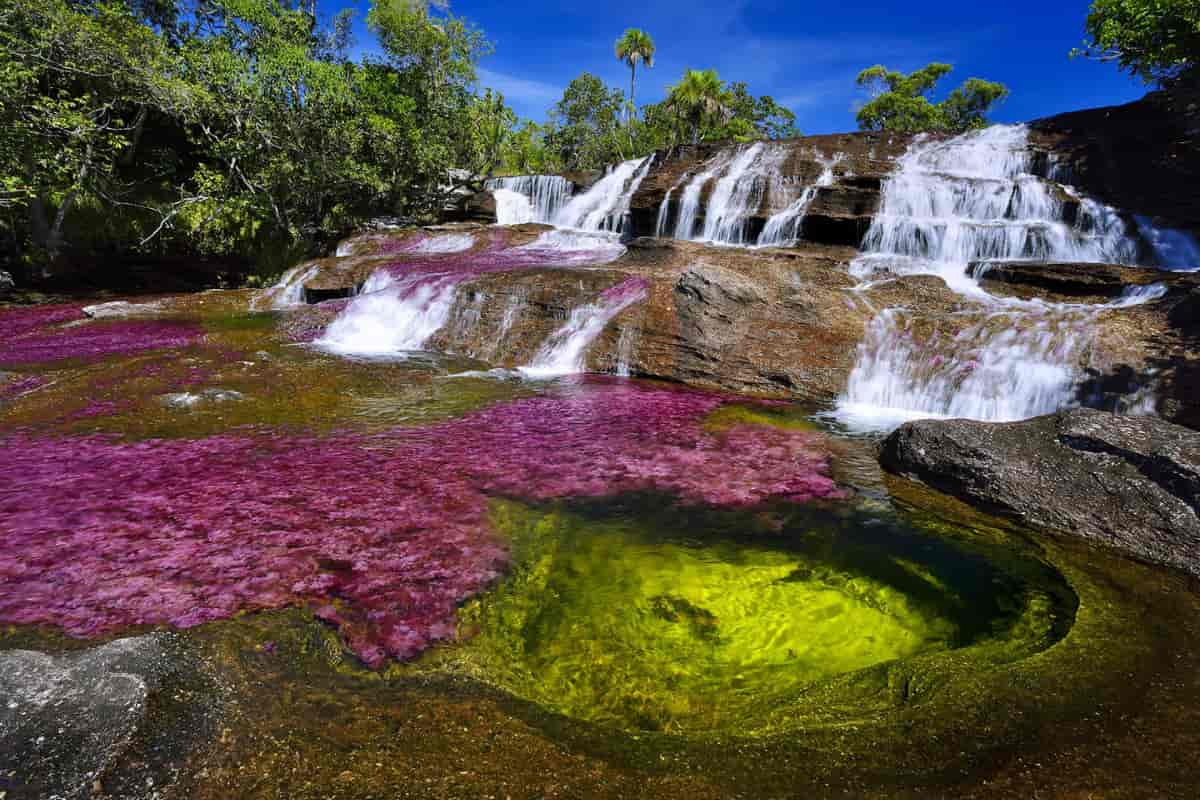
(603, 207)
(689, 201)
(288, 292)
(732, 197)
(951, 204)
(402, 306)
(664, 212)
(391, 316)
(783, 228)
(563, 353)
(529, 198)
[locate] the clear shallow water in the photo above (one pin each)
(640, 615)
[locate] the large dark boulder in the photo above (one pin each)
(115, 720)
(1129, 483)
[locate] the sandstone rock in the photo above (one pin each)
(96, 721)
(121, 308)
(1128, 483)
(1079, 280)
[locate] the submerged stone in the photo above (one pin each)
(73, 723)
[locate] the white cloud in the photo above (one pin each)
(520, 91)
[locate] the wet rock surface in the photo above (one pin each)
(1105, 281)
(1128, 483)
(114, 720)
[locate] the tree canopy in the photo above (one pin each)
(1157, 40)
(229, 127)
(903, 102)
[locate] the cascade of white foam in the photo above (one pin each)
(512, 208)
(973, 198)
(965, 200)
(603, 207)
(288, 292)
(529, 198)
(626, 349)
(1173, 249)
(664, 211)
(563, 353)
(732, 198)
(783, 228)
(391, 316)
(689, 202)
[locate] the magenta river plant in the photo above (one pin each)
(383, 535)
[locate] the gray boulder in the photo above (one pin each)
(1128, 483)
(105, 720)
(7, 284)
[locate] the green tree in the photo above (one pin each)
(78, 81)
(585, 125)
(700, 99)
(1157, 40)
(756, 117)
(902, 102)
(635, 47)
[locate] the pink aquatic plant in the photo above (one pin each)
(383, 535)
(20, 386)
(38, 335)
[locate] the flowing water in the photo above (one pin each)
(949, 209)
(783, 228)
(603, 207)
(564, 351)
(529, 198)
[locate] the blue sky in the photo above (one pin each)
(804, 54)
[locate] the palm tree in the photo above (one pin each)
(700, 97)
(635, 47)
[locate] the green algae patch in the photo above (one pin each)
(704, 620)
(787, 417)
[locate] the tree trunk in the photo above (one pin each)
(632, 109)
(139, 124)
(55, 241)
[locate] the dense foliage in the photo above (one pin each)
(590, 127)
(1157, 40)
(902, 102)
(228, 127)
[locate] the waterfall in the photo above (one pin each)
(529, 198)
(1173, 249)
(952, 203)
(737, 194)
(626, 350)
(783, 228)
(404, 303)
(603, 207)
(664, 211)
(391, 315)
(512, 208)
(689, 204)
(289, 291)
(564, 352)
